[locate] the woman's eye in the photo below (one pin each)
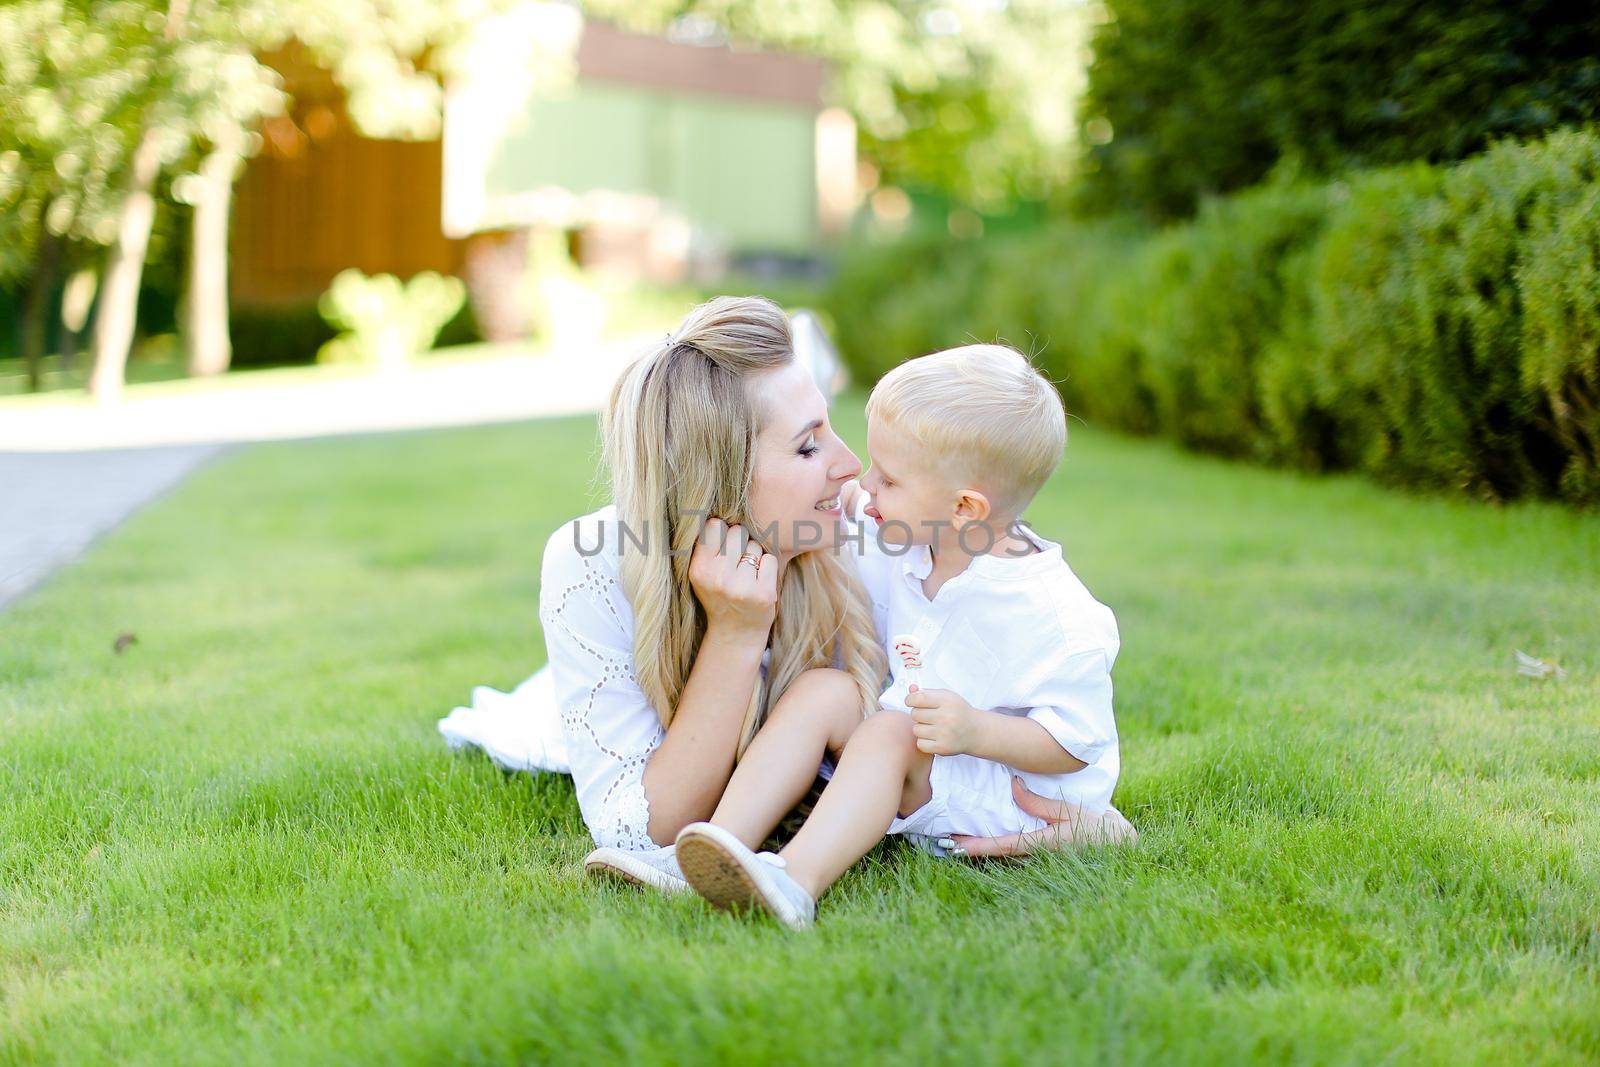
(810, 448)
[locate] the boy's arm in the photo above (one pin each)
(1069, 725)
(946, 725)
(1022, 744)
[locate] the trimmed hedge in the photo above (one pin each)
(1434, 327)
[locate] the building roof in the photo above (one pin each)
(607, 53)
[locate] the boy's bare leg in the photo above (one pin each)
(815, 715)
(881, 773)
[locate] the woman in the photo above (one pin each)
(679, 617)
(709, 598)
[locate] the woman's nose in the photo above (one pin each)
(847, 465)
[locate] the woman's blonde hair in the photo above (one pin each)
(680, 438)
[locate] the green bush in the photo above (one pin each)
(1218, 308)
(1558, 278)
(1457, 311)
(888, 321)
(271, 335)
(1433, 327)
(1416, 310)
(1093, 326)
(1113, 373)
(1195, 98)
(387, 322)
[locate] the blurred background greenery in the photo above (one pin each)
(1348, 234)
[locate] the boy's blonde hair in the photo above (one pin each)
(983, 408)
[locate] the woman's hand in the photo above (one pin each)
(735, 581)
(1069, 825)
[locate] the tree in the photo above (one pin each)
(101, 98)
(67, 91)
(138, 87)
(1190, 98)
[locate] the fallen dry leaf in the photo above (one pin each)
(1533, 667)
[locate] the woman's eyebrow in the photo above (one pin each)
(814, 424)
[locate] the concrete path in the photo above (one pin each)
(69, 472)
(54, 505)
(268, 405)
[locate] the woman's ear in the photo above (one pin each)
(971, 506)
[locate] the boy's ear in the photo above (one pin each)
(971, 506)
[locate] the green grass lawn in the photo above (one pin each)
(241, 840)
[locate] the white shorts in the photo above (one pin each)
(973, 796)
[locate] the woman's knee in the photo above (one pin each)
(821, 695)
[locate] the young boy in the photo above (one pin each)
(1014, 672)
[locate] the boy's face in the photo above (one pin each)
(909, 496)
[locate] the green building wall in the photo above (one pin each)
(743, 170)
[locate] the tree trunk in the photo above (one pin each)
(36, 308)
(205, 305)
(119, 291)
(77, 300)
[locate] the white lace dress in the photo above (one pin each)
(584, 713)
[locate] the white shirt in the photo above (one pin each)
(1018, 635)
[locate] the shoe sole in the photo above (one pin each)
(724, 878)
(613, 865)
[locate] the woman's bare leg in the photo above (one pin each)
(881, 773)
(814, 716)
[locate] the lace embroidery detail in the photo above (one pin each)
(598, 584)
(623, 814)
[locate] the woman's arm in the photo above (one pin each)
(1069, 826)
(688, 772)
(638, 784)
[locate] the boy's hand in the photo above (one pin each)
(946, 725)
(848, 496)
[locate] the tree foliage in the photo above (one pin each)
(1189, 98)
(99, 99)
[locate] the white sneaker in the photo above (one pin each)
(656, 869)
(729, 875)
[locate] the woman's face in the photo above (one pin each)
(800, 464)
